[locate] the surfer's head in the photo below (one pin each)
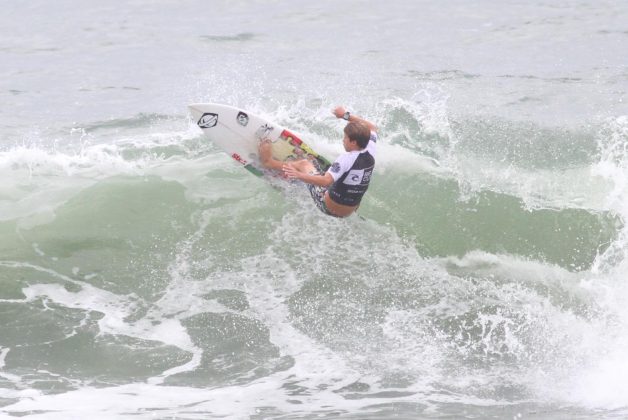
(358, 132)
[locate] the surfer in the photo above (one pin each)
(338, 191)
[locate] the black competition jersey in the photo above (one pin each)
(352, 173)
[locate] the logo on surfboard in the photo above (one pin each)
(208, 120)
(264, 131)
(242, 118)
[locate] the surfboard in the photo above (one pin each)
(238, 132)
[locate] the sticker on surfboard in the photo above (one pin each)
(264, 131)
(242, 118)
(208, 120)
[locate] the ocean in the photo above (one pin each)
(145, 275)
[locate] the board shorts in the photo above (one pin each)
(317, 192)
(318, 195)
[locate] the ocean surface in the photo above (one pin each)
(145, 275)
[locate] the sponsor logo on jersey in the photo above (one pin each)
(367, 176)
(208, 120)
(354, 177)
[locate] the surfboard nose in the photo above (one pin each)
(196, 111)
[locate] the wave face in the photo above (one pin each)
(144, 274)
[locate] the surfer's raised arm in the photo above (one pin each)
(341, 112)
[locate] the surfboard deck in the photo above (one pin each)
(239, 132)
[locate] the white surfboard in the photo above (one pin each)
(238, 133)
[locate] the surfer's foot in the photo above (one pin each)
(266, 156)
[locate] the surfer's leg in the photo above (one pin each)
(266, 156)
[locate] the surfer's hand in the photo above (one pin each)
(291, 173)
(339, 112)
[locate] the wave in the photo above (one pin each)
(451, 198)
(460, 285)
